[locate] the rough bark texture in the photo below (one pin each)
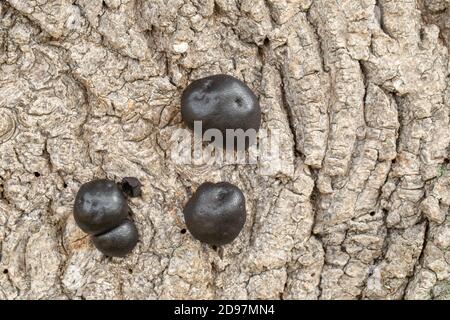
(357, 208)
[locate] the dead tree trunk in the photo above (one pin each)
(357, 206)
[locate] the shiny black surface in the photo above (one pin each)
(99, 206)
(119, 241)
(221, 102)
(216, 213)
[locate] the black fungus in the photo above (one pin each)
(99, 206)
(215, 214)
(101, 210)
(119, 241)
(131, 186)
(220, 102)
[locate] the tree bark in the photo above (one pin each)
(357, 207)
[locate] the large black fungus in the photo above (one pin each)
(101, 210)
(220, 102)
(119, 241)
(99, 206)
(215, 214)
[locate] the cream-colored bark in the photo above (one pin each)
(358, 206)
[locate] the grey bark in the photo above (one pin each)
(357, 208)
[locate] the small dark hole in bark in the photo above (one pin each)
(216, 10)
(5, 271)
(37, 174)
(183, 231)
(214, 248)
(189, 191)
(422, 35)
(65, 185)
(372, 213)
(130, 271)
(394, 161)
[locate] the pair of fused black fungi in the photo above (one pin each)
(215, 213)
(101, 210)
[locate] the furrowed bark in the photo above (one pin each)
(357, 207)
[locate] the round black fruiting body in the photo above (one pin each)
(101, 210)
(119, 241)
(99, 206)
(220, 102)
(215, 213)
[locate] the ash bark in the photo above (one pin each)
(356, 208)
